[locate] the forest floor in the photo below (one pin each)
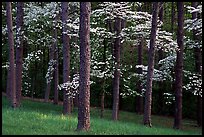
(37, 117)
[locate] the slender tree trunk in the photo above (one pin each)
(52, 57)
(199, 111)
(47, 92)
(160, 57)
(148, 94)
(66, 59)
(179, 67)
(8, 93)
(84, 75)
(56, 72)
(197, 54)
(116, 80)
(123, 24)
(139, 99)
(76, 100)
(33, 86)
(103, 80)
(19, 51)
(44, 60)
(76, 71)
(12, 75)
(102, 99)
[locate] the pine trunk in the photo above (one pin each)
(103, 80)
(56, 81)
(148, 94)
(12, 75)
(66, 59)
(160, 57)
(56, 72)
(19, 51)
(84, 74)
(116, 80)
(139, 99)
(51, 57)
(8, 93)
(197, 55)
(179, 67)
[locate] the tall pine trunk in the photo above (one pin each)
(8, 93)
(148, 93)
(19, 51)
(12, 75)
(84, 74)
(139, 99)
(179, 67)
(51, 57)
(160, 57)
(103, 80)
(56, 71)
(197, 55)
(116, 80)
(66, 58)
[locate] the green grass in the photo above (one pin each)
(35, 118)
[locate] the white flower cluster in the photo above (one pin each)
(20, 34)
(111, 10)
(164, 41)
(50, 71)
(72, 87)
(194, 84)
(27, 61)
(167, 65)
(38, 18)
(158, 75)
(192, 43)
(194, 24)
(168, 98)
(6, 65)
(97, 69)
(34, 12)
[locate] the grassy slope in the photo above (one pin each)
(47, 119)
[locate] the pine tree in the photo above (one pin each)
(84, 75)
(66, 58)
(148, 93)
(12, 75)
(179, 67)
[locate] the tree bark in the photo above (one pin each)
(12, 75)
(66, 58)
(116, 80)
(47, 92)
(8, 93)
(139, 99)
(56, 72)
(19, 51)
(197, 55)
(160, 57)
(179, 67)
(148, 93)
(84, 74)
(103, 80)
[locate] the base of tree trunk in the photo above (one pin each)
(148, 124)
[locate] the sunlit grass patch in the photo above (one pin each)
(37, 118)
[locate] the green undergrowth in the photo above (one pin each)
(37, 118)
